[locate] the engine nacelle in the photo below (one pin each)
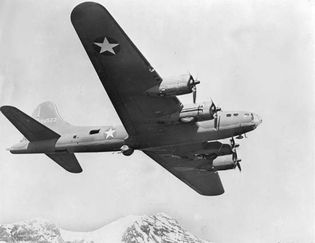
(198, 112)
(180, 85)
(225, 162)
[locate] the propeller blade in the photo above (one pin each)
(216, 122)
(212, 103)
(193, 82)
(234, 156)
(194, 90)
(239, 166)
(236, 161)
(232, 142)
(196, 81)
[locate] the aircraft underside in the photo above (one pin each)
(181, 138)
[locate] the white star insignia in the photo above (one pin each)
(110, 133)
(106, 46)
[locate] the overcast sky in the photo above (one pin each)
(249, 55)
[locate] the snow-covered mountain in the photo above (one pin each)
(158, 228)
(35, 230)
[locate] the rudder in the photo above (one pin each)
(47, 113)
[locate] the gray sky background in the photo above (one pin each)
(250, 55)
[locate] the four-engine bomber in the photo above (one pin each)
(183, 139)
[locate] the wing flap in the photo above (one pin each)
(204, 182)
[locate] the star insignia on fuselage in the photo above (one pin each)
(106, 46)
(110, 133)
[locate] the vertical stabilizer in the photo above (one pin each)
(47, 114)
(42, 131)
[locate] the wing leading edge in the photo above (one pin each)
(124, 72)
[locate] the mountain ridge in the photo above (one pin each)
(157, 228)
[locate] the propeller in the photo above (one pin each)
(236, 160)
(233, 144)
(213, 107)
(192, 83)
(213, 110)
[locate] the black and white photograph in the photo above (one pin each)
(171, 121)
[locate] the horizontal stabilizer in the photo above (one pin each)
(66, 160)
(29, 127)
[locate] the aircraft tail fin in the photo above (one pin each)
(29, 127)
(33, 130)
(47, 113)
(66, 160)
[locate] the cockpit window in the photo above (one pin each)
(252, 116)
(235, 114)
(228, 115)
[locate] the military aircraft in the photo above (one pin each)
(181, 138)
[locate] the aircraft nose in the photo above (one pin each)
(257, 120)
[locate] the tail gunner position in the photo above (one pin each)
(181, 138)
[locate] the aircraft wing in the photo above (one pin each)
(122, 69)
(192, 172)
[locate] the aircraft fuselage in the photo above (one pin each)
(112, 138)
